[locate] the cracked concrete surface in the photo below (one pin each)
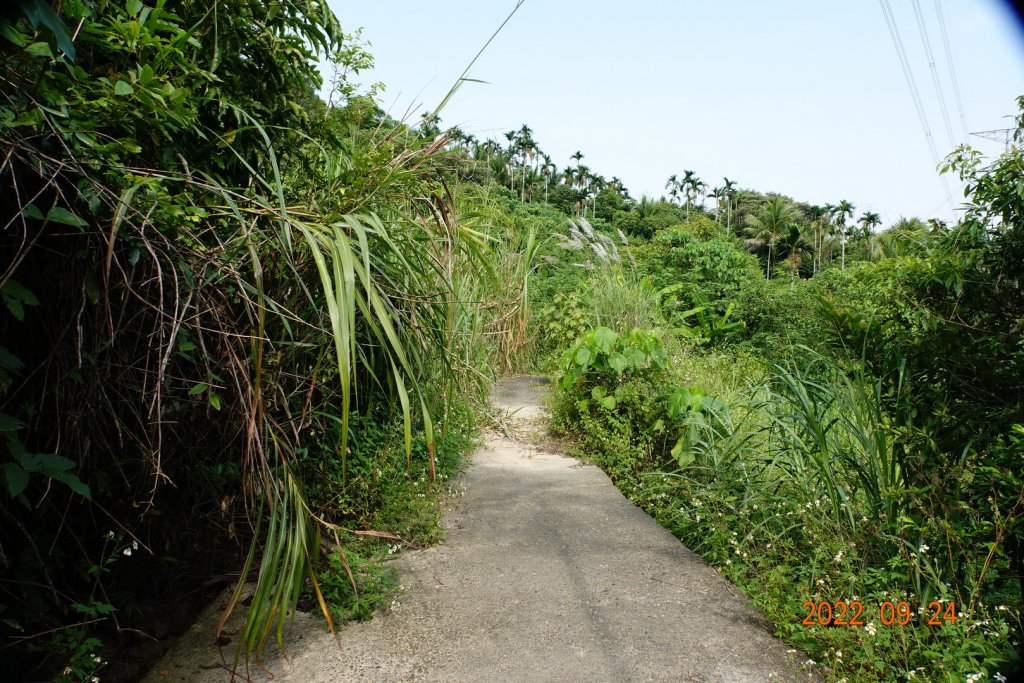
(548, 574)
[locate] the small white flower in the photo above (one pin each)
(127, 552)
(870, 628)
(999, 677)
(839, 556)
(135, 545)
(839, 654)
(923, 549)
(109, 535)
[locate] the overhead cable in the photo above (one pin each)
(952, 70)
(901, 53)
(934, 71)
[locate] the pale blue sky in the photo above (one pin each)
(803, 97)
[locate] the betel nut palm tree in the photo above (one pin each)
(842, 212)
(765, 229)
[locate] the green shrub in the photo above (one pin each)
(355, 587)
(803, 488)
(601, 356)
(560, 322)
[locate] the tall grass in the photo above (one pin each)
(831, 434)
(809, 489)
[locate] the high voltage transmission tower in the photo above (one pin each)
(1003, 135)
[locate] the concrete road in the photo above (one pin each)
(548, 574)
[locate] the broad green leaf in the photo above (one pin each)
(582, 356)
(15, 307)
(32, 211)
(39, 12)
(683, 458)
(40, 462)
(604, 339)
(59, 214)
(635, 357)
(7, 31)
(17, 478)
(123, 88)
(40, 49)
(598, 393)
(696, 398)
(618, 362)
(16, 290)
(677, 402)
(197, 389)
(9, 423)
(608, 402)
(71, 481)
(86, 139)
(215, 401)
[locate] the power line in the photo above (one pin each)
(901, 53)
(952, 69)
(934, 71)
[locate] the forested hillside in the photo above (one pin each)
(249, 329)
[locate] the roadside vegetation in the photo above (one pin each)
(830, 416)
(248, 333)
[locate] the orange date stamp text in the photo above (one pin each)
(844, 613)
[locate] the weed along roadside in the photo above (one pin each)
(547, 573)
(267, 360)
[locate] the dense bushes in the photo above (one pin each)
(226, 302)
(867, 450)
(213, 284)
(802, 488)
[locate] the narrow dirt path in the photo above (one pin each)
(548, 574)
